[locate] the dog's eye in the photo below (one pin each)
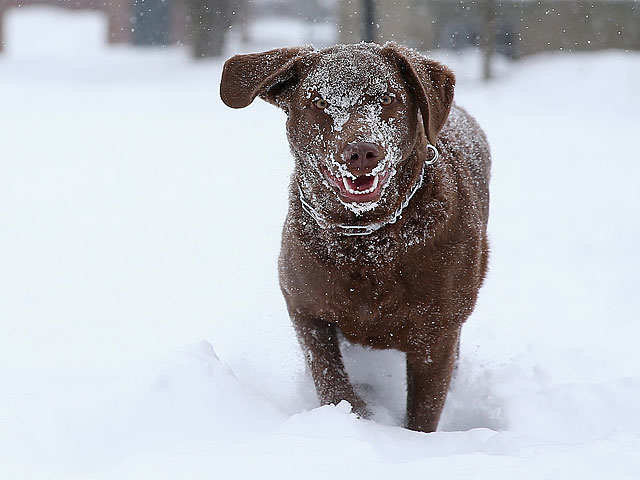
(386, 99)
(321, 103)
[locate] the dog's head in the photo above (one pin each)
(359, 119)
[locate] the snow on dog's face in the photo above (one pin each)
(351, 124)
(352, 120)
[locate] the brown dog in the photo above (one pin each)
(385, 241)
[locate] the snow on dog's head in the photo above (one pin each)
(346, 125)
(353, 120)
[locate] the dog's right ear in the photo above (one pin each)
(268, 74)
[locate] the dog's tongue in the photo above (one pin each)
(361, 183)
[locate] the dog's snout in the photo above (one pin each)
(361, 157)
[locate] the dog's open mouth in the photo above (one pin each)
(363, 188)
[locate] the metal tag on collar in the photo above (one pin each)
(436, 155)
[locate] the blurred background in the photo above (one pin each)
(512, 28)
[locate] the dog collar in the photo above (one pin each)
(361, 230)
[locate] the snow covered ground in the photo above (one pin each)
(142, 333)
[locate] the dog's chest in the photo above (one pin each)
(372, 305)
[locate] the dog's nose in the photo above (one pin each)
(361, 157)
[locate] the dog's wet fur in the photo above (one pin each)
(384, 244)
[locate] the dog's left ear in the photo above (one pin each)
(431, 82)
(268, 74)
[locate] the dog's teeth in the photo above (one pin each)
(371, 189)
(346, 185)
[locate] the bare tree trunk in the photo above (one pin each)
(209, 25)
(488, 37)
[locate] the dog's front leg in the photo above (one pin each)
(319, 342)
(428, 377)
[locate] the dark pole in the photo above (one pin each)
(369, 21)
(1, 36)
(488, 37)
